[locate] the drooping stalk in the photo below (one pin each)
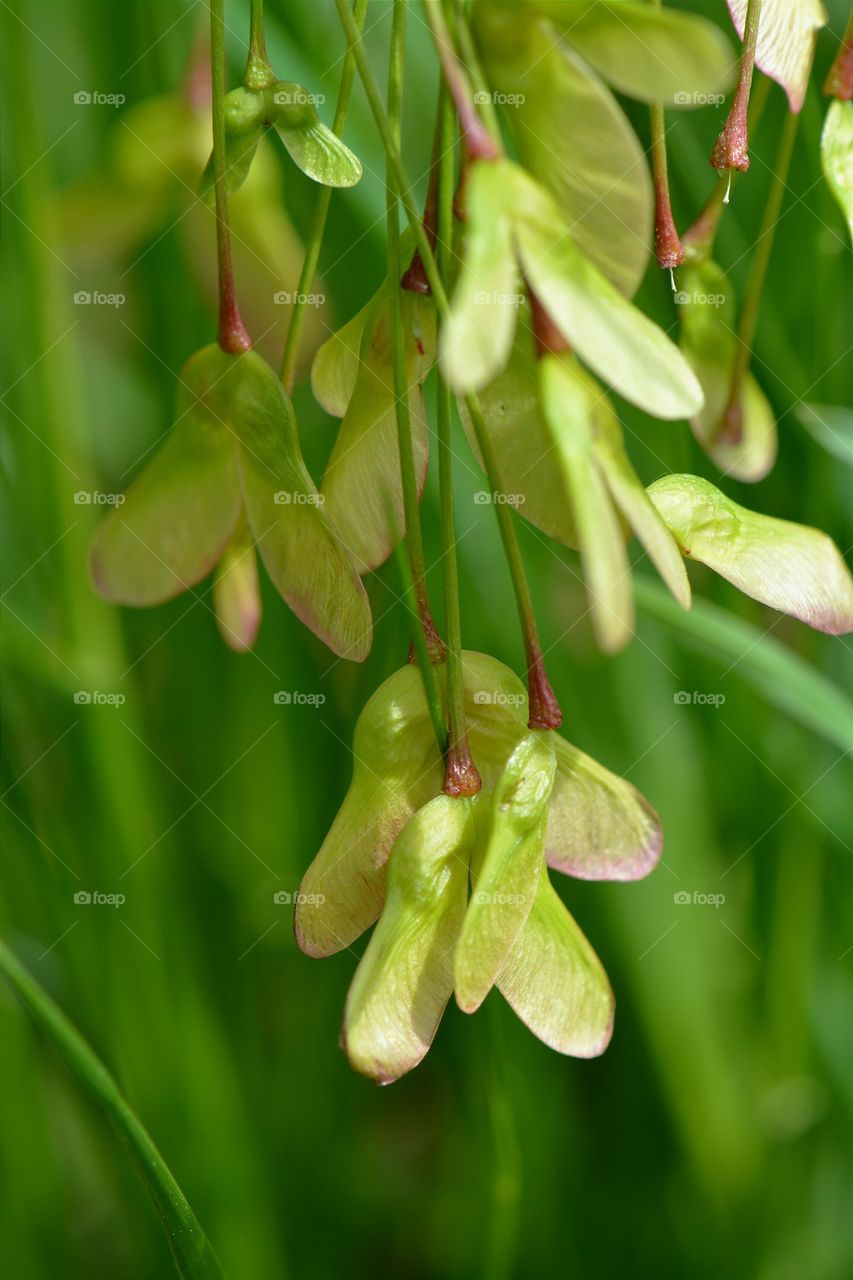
(463, 33)
(233, 336)
(732, 423)
(192, 1251)
(259, 73)
(318, 224)
(479, 142)
(408, 478)
(668, 247)
(698, 241)
(544, 709)
(731, 150)
(414, 280)
(461, 776)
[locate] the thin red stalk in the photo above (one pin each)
(731, 150)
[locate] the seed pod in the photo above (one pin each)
(509, 215)
(506, 867)
(234, 447)
(599, 826)
(182, 510)
(791, 567)
(709, 342)
(405, 976)
(396, 770)
(554, 981)
(362, 485)
(301, 550)
(237, 593)
(312, 147)
(245, 110)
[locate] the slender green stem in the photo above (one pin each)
(193, 1254)
(232, 332)
(668, 247)
(427, 669)
(732, 422)
(463, 33)
(461, 775)
(544, 710)
(318, 226)
(479, 142)
(408, 477)
(731, 150)
(259, 74)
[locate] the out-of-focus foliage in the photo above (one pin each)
(143, 759)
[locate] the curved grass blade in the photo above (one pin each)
(775, 671)
(192, 1251)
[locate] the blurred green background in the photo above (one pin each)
(714, 1137)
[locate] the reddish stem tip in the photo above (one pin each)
(669, 250)
(544, 709)
(461, 777)
(731, 150)
(549, 339)
(233, 334)
(731, 424)
(435, 647)
(839, 82)
(415, 280)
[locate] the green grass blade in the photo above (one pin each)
(191, 1249)
(773, 669)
